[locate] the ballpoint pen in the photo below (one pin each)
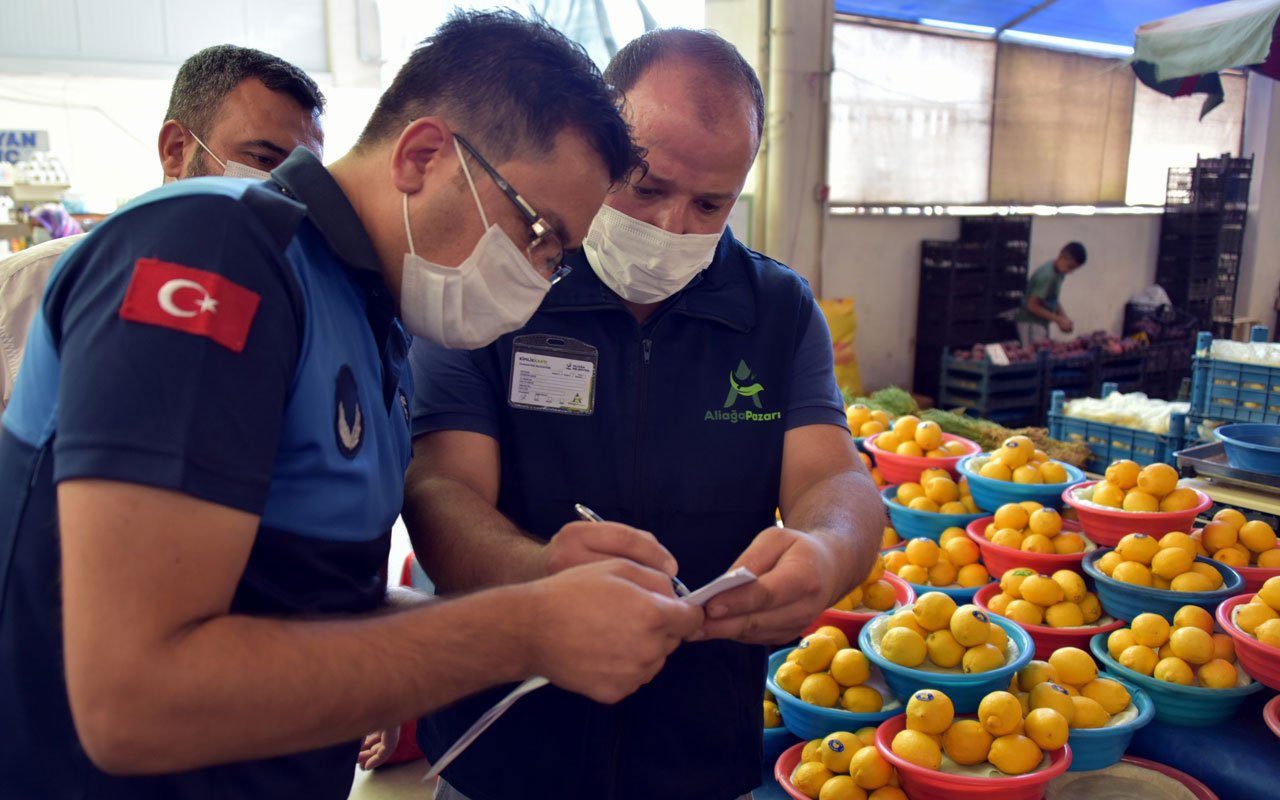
(590, 516)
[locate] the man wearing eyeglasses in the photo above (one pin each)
(682, 387)
(205, 452)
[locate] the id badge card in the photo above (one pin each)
(553, 373)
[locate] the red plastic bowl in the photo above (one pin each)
(905, 469)
(851, 622)
(1261, 661)
(1107, 526)
(1271, 714)
(1000, 559)
(1198, 790)
(1254, 577)
(927, 784)
(1046, 638)
(784, 766)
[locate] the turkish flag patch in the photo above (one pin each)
(190, 300)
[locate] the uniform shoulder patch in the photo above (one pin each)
(190, 300)
(348, 415)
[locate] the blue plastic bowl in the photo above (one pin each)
(777, 740)
(910, 523)
(1174, 703)
(991, 494)
(1254, 446)
(960, 594)
(1126, 600)
(965, 691)
(814, 722)
(1096, 748)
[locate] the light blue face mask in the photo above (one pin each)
(232, 169)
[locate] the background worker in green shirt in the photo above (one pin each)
(1042, 305)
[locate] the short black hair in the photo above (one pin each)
(205, 80)
(705, 48)
(1077, 252)
(511, 85)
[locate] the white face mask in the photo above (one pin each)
(494, 291)
(233, 169)
(642, 262)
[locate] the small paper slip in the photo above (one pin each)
(727, 581)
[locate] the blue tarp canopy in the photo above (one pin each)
(1110, 22)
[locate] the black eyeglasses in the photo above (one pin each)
(545, 252)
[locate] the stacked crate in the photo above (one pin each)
(1171, 334)
(970, 291)
(1201, 236)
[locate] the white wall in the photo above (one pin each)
(876, 259)
(1260, 263)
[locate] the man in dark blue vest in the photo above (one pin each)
(681, 386)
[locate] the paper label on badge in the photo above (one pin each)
(553, 373)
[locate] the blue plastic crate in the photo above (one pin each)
(1231, 391)
(1108, 443)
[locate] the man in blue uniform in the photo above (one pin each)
(205, 450)
(681, 386)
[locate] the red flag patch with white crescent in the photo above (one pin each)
(190, 300)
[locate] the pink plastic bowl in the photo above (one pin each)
(1107, 526)
(1271, 714)
(927, 784)
(851, 622)
(904, 469)
(1046, 638)
(1254, 577)
(999, 559)
(1261, 661)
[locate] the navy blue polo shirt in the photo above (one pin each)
(234, 341)
(675, 426)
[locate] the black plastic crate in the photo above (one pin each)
(1012, 227)
(1159, 323)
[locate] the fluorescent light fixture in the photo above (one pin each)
(1068, 44)
(958, 26)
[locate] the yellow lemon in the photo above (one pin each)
(815, 651)
(996, 471)
(850, 667)
(1014, 754)
(999, 713)
(1089, 713)
(1109, 694)
(918, 748)
(949, 534)
(861, 700)
(1150, 629)
(1268, 632)
(1090, 608)
(941, 490)
(1193, 581)
(1160, 583)
(869, 769)
(1008, 537)
(1250, 615)
(867, 735)
(929, 711)
(889, 538)
(903, 646)
(857, 414)
(1108, 494)
(879, 596)
(877, 570)
(928, 435)
(1039, 456)
(890, 792)
(1012, 580)
(933, 610)
(955, 448)
(1074, 665)
(927, 475)
(905, 426)
(872, 428)
(772, 716)
(1137, 547)
(1193, 617)
(841, 787)
(1269, 559)
(1138, 500)
(967, 742)
(837, 635)
(1170, 562)
(1139, 658)
(1036, 543)
(1217, 535)
(972, 575)
(1016, 451)
(1218, 674)
(1123, 473)
(1178, 539)
(1158, 479)
(961, 551)
(836, 750)
(1053, 472)
(1027, 474)
(1052, 695)
(997, 637)
(1011, 515)
(1230, 516)
(1210, 572)
(1180, 500)
(1035, 673)
(1173, 670)
(1270, 592)
(881, 417)
(922, 551)
(1232, 557)
(923, 504)
(811, 752)
(943, 573)
(970, 506)
(820, 689)
(1132, 572)
(789, 677)
(1030, 506)
(1041, 590)
(887, 440)
(1047, 728)
(1069, 542)
(909, 491)
(999, 604)
(809, 777)
(1046, 522)
(970, 625)
(1224, 647)
(894, 560)
(1192, 645)
(906, 618)
(913, 574)
(1165, 651)
(1073, 588)
(982, 658)
(1024, 612)
(954, 507)
(943, 649)
(1108, 562)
